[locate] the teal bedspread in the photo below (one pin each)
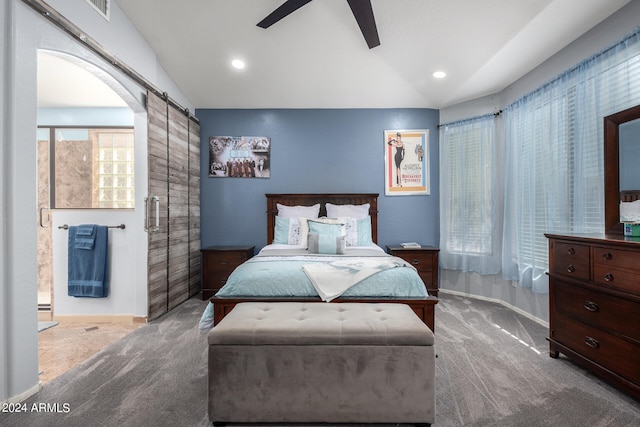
(280, 274)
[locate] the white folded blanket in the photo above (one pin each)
(332, 279)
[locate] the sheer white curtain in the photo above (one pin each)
(554, 157)
(470, 199)
(501, 192)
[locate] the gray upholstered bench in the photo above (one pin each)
(321, 363)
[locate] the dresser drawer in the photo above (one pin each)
(617, 354)
(598, 309)
(616, 258)
(617, 269)
(621, 279)
(569, 259)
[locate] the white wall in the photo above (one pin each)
(5, 341)
(127, 259)
(24, 32)
(608, 32)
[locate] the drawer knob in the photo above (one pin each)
(607, 255)
(224, 261)
(591, 342)
(571, 251)
(571, 269)
(591, 306)
(608, 277)
(415, 262)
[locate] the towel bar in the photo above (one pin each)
(121, 226)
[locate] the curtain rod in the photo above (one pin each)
(74, 31)
(484, 116)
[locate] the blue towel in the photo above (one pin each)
(88, 268)
(85, 236)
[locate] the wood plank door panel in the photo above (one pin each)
(178, 275)
(157, 267)
(194, 208)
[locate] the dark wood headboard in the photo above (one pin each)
(312, 199)
(629, 195)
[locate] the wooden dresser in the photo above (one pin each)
(425, 260)
(217, 264)
(594, 305)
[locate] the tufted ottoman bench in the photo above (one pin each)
(321, 363)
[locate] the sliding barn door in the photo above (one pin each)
(157, 206)
(194, 208)
(178, 286)
(173, 206)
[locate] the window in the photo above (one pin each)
(91, 167)
(554, 157)
(548, 178)
(470, 240)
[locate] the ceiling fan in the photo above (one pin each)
(362, 11)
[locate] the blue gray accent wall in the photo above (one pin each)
(315, 151)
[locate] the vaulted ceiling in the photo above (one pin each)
(317, 57)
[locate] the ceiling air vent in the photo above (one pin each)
(102, 6)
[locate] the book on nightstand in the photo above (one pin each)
(410, 245)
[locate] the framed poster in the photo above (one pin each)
(406, 162)
(239, 156)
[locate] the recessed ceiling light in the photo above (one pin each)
(237, 63)
(439, 74)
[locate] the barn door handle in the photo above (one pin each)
(147, 218)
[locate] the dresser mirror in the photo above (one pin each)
(621, 157)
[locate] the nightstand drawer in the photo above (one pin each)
(218, 262)
(422, 261)
(425, 261)
(224, 262)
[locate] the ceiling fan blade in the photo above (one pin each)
(285, 9)
(363, 12)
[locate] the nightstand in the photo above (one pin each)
(217, 264)
(425, 260)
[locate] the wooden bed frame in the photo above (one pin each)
(424, 308)
(629, 195)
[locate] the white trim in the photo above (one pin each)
(25, 395)
(506, 304)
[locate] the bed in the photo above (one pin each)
(281, 261)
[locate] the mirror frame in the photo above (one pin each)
(612, 224)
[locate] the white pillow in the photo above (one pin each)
(347, 211)
(298, 211)
(358, 231)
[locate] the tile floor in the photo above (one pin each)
(66, 345)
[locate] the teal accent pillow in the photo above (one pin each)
(364, 232)
(326, 228)
(326, 244)
(281, 233)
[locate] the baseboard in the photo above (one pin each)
(105, 318)
(25, 395)
(498, 301)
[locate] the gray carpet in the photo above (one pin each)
(493, 369)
